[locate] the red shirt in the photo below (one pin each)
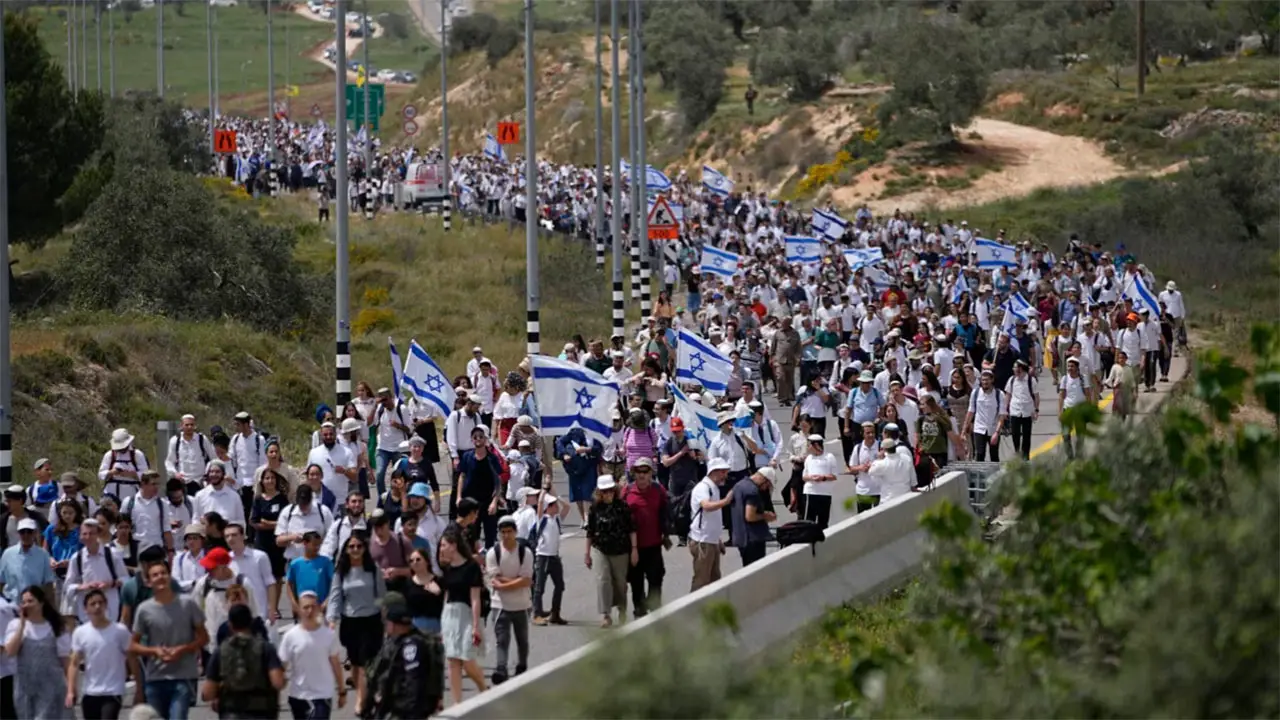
(646, 513)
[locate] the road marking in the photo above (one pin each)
(1056, 440)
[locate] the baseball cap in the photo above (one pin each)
(643, 462)
(677, 425)
(40, 463)
(216, 557)
(26, 524)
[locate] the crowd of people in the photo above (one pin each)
(235, 577)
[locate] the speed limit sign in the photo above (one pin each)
(410, 127)
(409, 112)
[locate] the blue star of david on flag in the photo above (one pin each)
(435, 383)
(699, 362)
(696, 362)
(583, 398)
(992, 254)
(567, 395)
(426, 381)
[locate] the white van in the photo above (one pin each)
(423, 185)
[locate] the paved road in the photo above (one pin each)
(548, 643)
(427, 13)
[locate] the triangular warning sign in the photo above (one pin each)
(661, 217)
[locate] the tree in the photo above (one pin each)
(396, 25)
(1256, 16)
(690, 52)
(803, 59)
(50, 133)
(939, 80)
(471, 32)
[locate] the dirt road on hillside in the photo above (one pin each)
(1030, 159)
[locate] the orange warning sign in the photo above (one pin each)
(224, 141)
(508, 133)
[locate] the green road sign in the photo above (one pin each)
(355, 103)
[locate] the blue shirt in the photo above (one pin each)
(315, 575)
(865, 406)
(20, 570)
(62, 548)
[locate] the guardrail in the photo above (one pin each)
(772, 599)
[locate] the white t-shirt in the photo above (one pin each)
(707, 525)
(1074, 387)
(255, 565)
(824, 464)
(306, 654)
(549, 535)
(329, 459)
(509, 566)
(8, 612)
(104, 652)
(38, 631)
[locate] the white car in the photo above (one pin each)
(327, 13)
(385, 75)
(224, 3)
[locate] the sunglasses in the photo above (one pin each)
(355, 546)
(640, 471)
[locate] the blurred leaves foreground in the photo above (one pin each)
(1140, 581)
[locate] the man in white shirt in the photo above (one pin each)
(94, 567)
(309, 650)
(705, 544)
(864, 453)
(1173, 303)
(147, 509)
(1073, 390)
(473, 365)
(306, 514)
(985, 418)
(248, 452)
(619, 372)
(351, 519)
(1022, 407)
(189, 452)
(727, 446)
(485, 387)
(255, 566)
(509, 567)
(1151, 341)
(457, 429)
(819, 475)
(391, 421)
(218, 496)
(121, 466)
(334, 460)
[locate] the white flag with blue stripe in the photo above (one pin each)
(698, 361)
(961, 287)
(569, 395)
(802, 249)
(424, 379)
(859, 258)
(1137, 291)
(655, 180)
(699, 420)
(829, 224)
(397, 366)
(719, 262)
(878, 277)
(493, 149)
(993, 254)
(716, 182)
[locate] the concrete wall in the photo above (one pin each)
(773, 598)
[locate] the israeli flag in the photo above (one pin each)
(879, 279)
(715, 182)
(802, 249)
(993, 254)
(719, 262)
(362, 137)
(829, 224)
(961, 287)
(315, 138)
(396, 367)
(570, 396)
(1015, 309)
(699, 420)
(699, 362)
(859, 258)
(424, 379)
(1140, 294)
(493, 150)
(655, 180)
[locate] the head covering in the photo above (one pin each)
(216, 557)
(606, 482)
(321, 411)
(120, 439)
(420, 489)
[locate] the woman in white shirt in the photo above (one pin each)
(37, 640)
(793, 493)
(819, 475)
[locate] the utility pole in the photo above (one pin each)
(160, 48)
(208, 36)
(217, 67)
(599, 145)
(84, 43)
(71, 48)
(615, 220)
(447, 210)
(1142, 47)
(6, 382)
(271, 91)
(532, 298)
(288, 86)
(111, 40)
(342, 300)
(646, 283)
(97, 28)
(638, 205)
(368, 122)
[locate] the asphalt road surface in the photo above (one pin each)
(548, 643)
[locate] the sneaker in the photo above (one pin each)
(557, 620)
(540, 620)
(498, 677)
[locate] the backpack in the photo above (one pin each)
(203, 450)
(244, 676)
(682, 514)
(377, 417)
(801, 532)
(535, 532)
(209, 587)
(106, 552)
(522, 545)
(130, 503)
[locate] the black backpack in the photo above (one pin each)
(106, 553)
(682, 514)
(801, 532)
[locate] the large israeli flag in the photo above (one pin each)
(716, 182)
(802, 249)
(719, 262)
(424, 379)
(1137, 291)
(570, 396)
(698, 361)
(1016, 309)
(655, 180)
(699, 420)
(961, 287)
(829, 224)
(993, 254)
(493, 150)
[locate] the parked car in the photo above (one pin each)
(327, 13)
(387, 74)
(404, 76)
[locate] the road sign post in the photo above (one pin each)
(410, 128)
(508, 133)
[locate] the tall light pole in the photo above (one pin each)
(638, 205)
(84, 43)
(217, 67)
(160, 48)
(342, 301)
(599, 225)
(111, 40)
(6, 384)
(97, 27)
(615, 220)
(271, 91)
(71, 48)
(368, 87)
(208, 36)
(532, 298)
(447, 210)
(646, 283)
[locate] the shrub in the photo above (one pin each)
(504, 39)
(36, 373)
(372, 319)
(472, 32)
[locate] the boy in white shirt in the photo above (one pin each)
(309, 650)
(545, 539)
(103, 647)
(509, 566)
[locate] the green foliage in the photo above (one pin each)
(396, 25)
(50, 133)
(939, 80)
(472, 31)
(690, 53)
(803, 59)
(504, 39)
(36, 373)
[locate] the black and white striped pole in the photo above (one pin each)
(447, 209)
(342, 301)
(637, 170)
(642, 234)
(530, 188)
(615, 219)
(599, 219)
(6, 382)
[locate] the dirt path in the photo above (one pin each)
(353, 46)
(1030, 159)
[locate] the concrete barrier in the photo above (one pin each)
(773, 598)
